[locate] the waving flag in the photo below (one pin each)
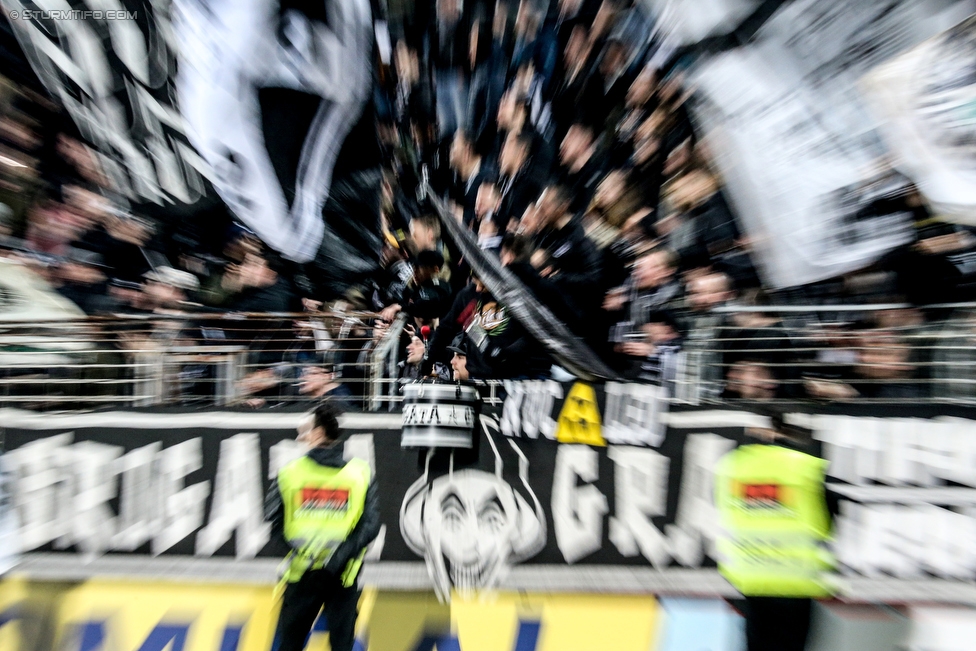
(266, 104)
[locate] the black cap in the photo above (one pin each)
(666, 317)
(459, 345)
(430, 259)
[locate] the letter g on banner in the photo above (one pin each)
(577, 512)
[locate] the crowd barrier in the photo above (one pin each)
(199, 359)
(880, 354)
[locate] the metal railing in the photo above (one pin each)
(384, 368)
(207, 359)
(883, 353)
(878, 354)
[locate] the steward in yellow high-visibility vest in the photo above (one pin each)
(771, 506)
(327, 510)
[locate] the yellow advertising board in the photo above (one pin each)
(556, 622)
(102, 615)
(114, 615)
(13, 594)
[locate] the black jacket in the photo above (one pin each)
(428, 301)
(465, 194)
(453, 322)
(523, 190)
(362, 534)
(575, 261)
(274, 298)
(91, 298)
(549, 294)
(582, 184)
(508, 352)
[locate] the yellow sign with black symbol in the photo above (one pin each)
(579, 419)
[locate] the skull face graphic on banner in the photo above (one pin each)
(471, 526)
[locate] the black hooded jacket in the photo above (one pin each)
(509, 350)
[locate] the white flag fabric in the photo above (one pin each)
(924, 101)
(9, 538)
(170, 97)
(792, 136)
(796, 184)
(121, 104)
(229, 50)
(689, 21)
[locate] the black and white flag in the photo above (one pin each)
(256, 97)
(231, 51)
(924, 102)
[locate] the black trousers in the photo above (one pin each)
(316, 590)
(777, 624)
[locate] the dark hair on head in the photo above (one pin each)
(560, 191)
(755, 298)
(665, 317)
(519, 246)
(490, 177)
(326, 415)
(430, 259)
(522, 138)
(45, 203)
(466, 136)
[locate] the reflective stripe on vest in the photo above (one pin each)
(771, 506)
(322, 506)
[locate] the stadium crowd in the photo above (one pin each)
(562, 139)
